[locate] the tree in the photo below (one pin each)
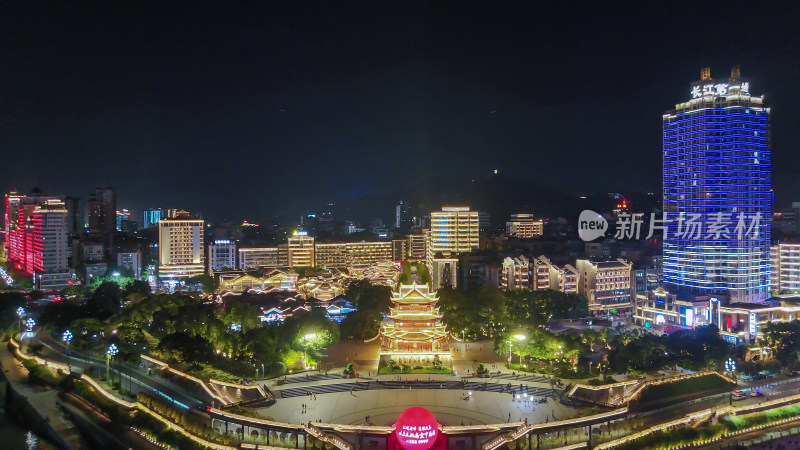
(784, 340)
(367, 296)
(105, 301)
(183, 347)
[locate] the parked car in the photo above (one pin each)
(738, 395)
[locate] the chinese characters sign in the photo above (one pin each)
(719, 89)
(416, 429)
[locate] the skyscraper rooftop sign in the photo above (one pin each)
(719, 89)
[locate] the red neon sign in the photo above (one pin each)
(416, 429)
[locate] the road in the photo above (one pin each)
(132, 376)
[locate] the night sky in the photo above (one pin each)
(239, 109)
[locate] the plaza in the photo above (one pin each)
(450, 406)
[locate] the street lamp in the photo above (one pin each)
(509, 354)
(21, 314)
(520, 337)
(67, 337)
(730, 366)
(30, 323)
(110, 353)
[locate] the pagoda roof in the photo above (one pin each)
(414, 293)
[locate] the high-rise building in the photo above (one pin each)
(454, 229)
(180, 248)
(74, 216)
(151, 217)
(222, 254)
(37, 238)
(417, 246)
(301, 250)
(717, 166)
(102, 214)
(524, 226)
(785, 271)
(39, 242)
(123, 214)
(402, 214)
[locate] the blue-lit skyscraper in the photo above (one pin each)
(152, 216)
(718, 191)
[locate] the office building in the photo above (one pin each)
(524, 226)
(181, 252)
(785, 262)
(607, 285)
(150, 217)
(221, 254)
(717, 166)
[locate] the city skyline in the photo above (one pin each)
(437, 92)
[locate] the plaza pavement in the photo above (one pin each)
(383, 407)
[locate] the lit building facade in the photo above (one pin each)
(516, 273)
(38, 242)
(252, 258)
(717, 166)
(743, 322)
(301, 251)
(524, 226)
(785, 273)
(607, 285)
(181, 252)
(454, 229)
(150, 217)
(417, 246)
(221, 254)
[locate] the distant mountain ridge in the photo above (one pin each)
(498, 195)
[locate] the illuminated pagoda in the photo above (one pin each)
(413, 329)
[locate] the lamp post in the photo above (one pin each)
(110, 353)
(21, 314)
(509, 354)
(30, 323)
(306, 338)
(520, 337)
(67, 338)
